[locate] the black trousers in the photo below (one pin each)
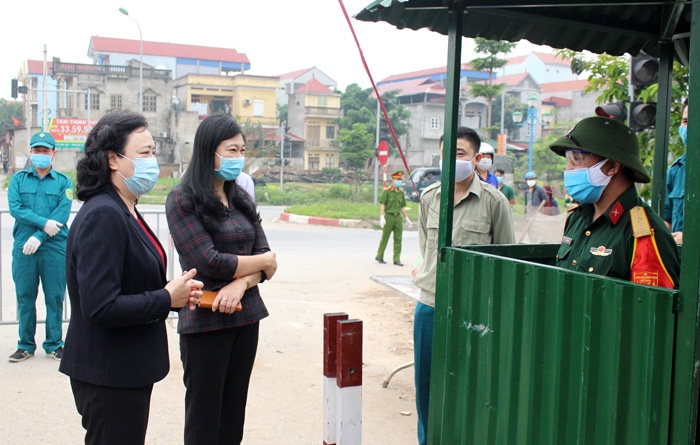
(217, 367)
(117, 416)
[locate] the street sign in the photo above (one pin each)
(70, 133)
(383, 152)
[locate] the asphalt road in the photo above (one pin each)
(321, 270)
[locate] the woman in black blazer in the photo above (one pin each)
(116, 345)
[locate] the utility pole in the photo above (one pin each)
(45, 120)
(284, 124)
(376, 157)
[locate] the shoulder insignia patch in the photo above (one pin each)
(640, 222)
(69, 194)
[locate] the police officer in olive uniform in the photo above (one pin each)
(40, 201)
(391, 209)
(611, 231)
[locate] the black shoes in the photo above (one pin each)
(20, 356)
(56, 354)
(398, 263)
(380, 261)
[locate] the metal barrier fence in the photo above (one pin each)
(8, 301)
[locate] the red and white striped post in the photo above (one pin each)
(342, 380)
(330, 349)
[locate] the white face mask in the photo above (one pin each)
(463, 169)
(485, 164)
(531, 182)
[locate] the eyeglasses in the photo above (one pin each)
(580, 158)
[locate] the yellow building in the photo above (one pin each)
(248, 98)
(313, 109)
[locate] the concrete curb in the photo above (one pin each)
(300, 219)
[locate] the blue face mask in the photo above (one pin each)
(585, 185)
(146, 172)
(683, 133)
(399, 183)
(499, 179)
(230, 168)
(41, 161)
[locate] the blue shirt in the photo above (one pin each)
(33, 201)
(675, 192)
(490, 178)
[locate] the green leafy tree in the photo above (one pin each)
(359, 107)
(356, 146)
(490, 62)
(609, 76)
(512, 105)
(8, 109)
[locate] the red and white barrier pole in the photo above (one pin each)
(349, 380)
(330, 349)
(342, 380)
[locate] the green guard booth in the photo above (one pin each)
(528, 353)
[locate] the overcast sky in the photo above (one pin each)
(278, 36)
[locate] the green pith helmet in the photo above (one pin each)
(607, 138)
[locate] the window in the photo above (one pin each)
(116, 101)
(322, 101)
(258, 108)
(149, 102)
(314, 162)
(94, 101)
(434, 123)
(330, 161)
(330, 132)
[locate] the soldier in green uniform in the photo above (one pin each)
(391, 210)
(611, 231)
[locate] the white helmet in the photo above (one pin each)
(486, 148)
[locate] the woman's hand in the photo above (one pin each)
(270, 264)
(229, 296)
(185, 290)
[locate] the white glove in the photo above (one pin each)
(52, 227)
(382, 221)
(408, 221)
(31, 246)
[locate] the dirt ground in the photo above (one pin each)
(286, 392)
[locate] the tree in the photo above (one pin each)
(491, 48)
(609, 75)
(359, 107)
(512, 105)
(8, 110)
(356, 146)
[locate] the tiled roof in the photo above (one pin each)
(569, 85)
(558, 101)
(37, 67)
(109, 44)
(548, 58)
(422, 73)
(314, 86)
(411, 87)
(294, 74)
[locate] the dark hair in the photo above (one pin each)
(500, 170)
(110, 134)
(468, 134)
(197, 182)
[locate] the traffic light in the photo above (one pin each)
(23, 89)
(644, 70)
(14, 89)
(616, 111)
(642, 116)
(384, 134)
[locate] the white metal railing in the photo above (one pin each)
(8, 300)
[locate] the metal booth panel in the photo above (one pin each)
(526, 353)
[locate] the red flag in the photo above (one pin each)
(16, 122)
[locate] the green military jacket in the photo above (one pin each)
(605, 246)
(393, 200)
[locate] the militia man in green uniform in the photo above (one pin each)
(611, 231)
(391, 209)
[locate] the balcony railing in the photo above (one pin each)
(323, 111)
(108, 70)
(323, 144)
